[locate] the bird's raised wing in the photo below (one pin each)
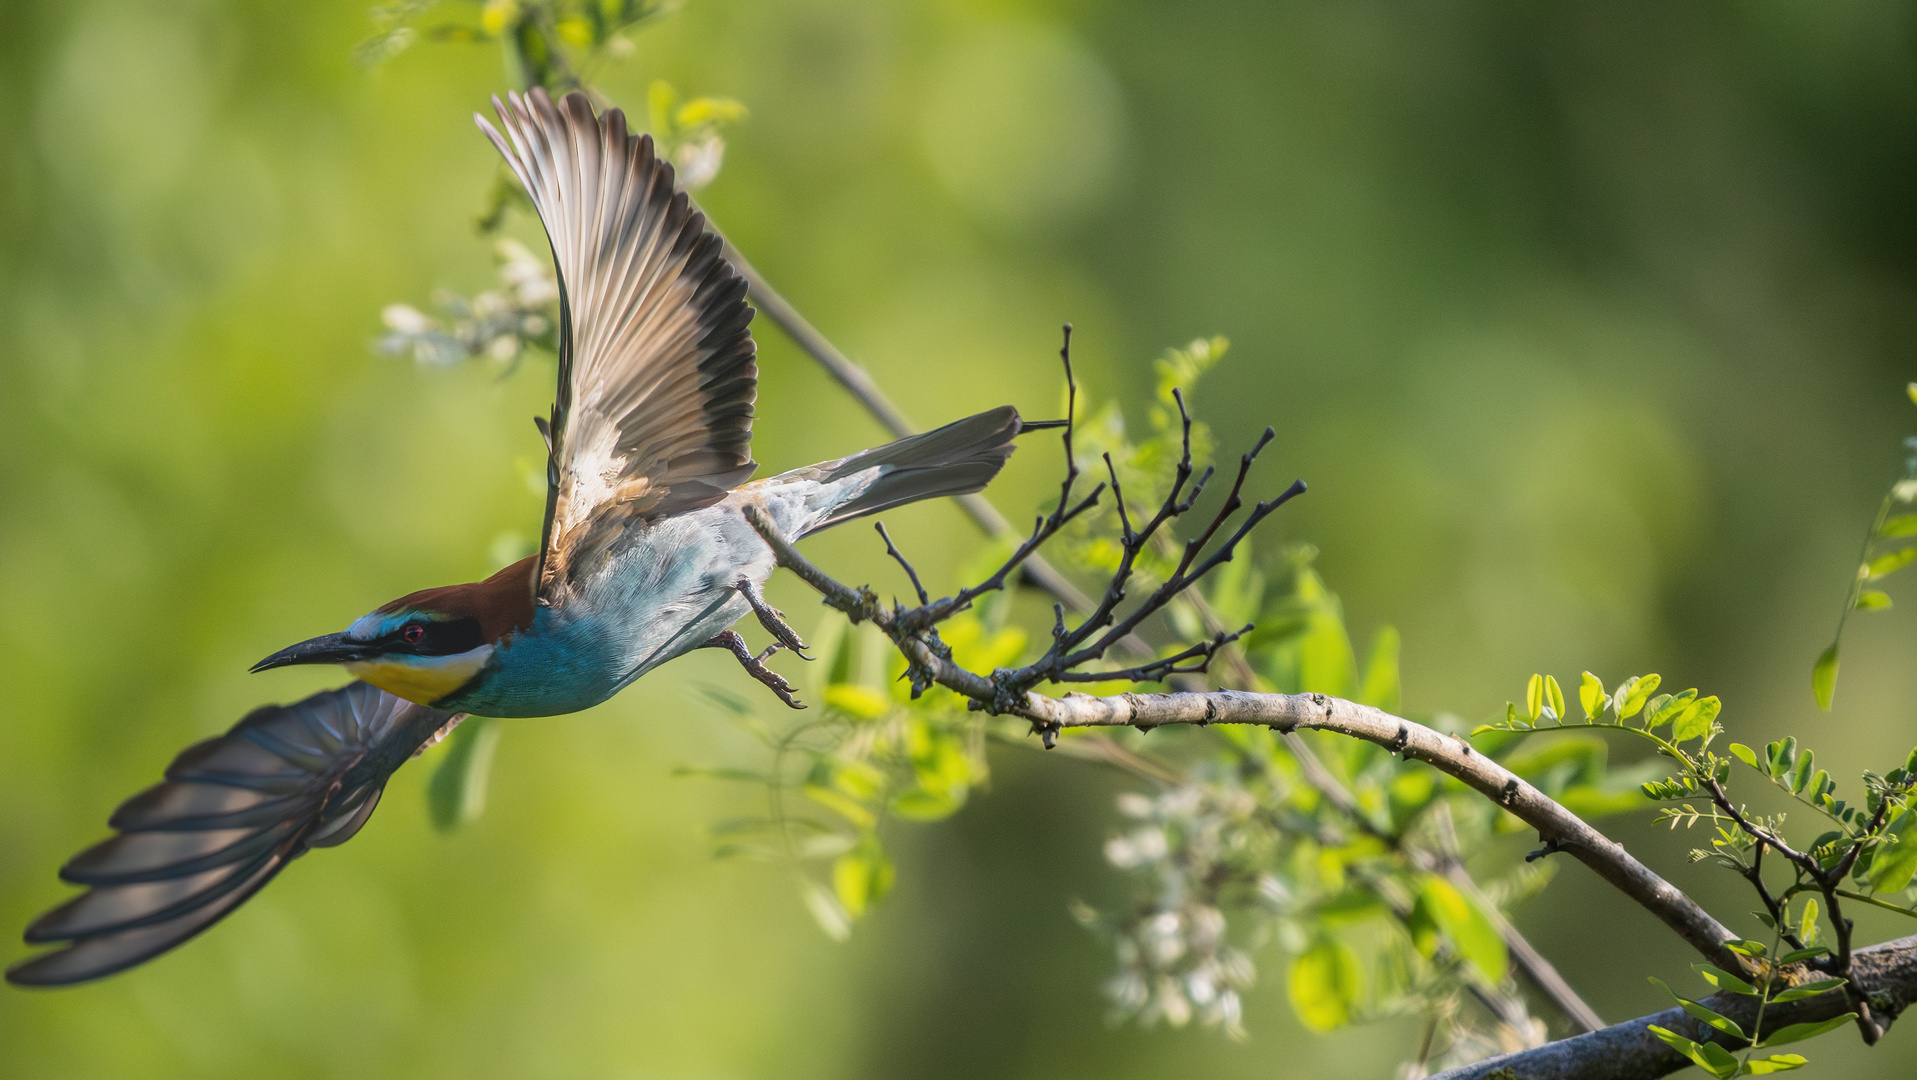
(232, 812)
(657, 374)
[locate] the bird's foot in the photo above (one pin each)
(771, 618)
(755, 665)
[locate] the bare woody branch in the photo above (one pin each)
(1285, 713)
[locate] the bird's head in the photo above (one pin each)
(426, 645)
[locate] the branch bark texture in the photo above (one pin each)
(1885, 973)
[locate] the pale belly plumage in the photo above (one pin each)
(665, 591)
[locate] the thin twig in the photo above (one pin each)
(892, 550)
(857, 382)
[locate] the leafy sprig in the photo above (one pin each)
(1889, 545)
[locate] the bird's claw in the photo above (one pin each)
(771, 618)
(730, 641)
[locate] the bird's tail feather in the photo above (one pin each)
(959, 458)
(232, 812)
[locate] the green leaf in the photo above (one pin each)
(846, 806)
(1324, 983)
(861, 878)
(1800, 776)
(1724, 980)
(1467, 926)
(1898, 526)
(1745, 754)
(856, 701)
(1591, 695)
(1807, 923)
(1799, 1032)
(1380, 687)
(1696, 720)
(1634, 693)
(1780, 756)
(1667, 709)
(1893, 864)
(1775, 1063)
(1654, 708)
(1554, 697)
(1718, 1060)
(1884, 565)
(1824, 677)
(921, 804)
(1534, 697)
(1873, 600)
(456, 795)
(1809, 989)
(1701, 1053)
(1710, 1016)
(1911, 389)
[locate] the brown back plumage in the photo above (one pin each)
(657, 370)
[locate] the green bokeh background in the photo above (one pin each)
(1588, 325)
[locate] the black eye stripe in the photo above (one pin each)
(443, 638)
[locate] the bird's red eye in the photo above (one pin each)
(414, 633)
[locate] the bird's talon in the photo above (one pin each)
(730, 641)
(771, 618)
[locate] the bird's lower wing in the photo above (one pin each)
(232, 812)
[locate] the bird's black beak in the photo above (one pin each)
(327, 649)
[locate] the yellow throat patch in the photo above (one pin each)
(422, 680)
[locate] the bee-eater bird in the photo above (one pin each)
(646, 555)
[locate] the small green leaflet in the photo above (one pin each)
(1809, 989)
(1325, 980)
(1634, 693)
(1824, 677)
(1723, 980)
(1710, 1057)
(1873, 600)
(1591, 695)
(1900, 526)
(1799, 1032)
(1710, 1016)
(1893, 864)
(1884, 565)
(1466, 926)
(456, 795)
(1696, 719)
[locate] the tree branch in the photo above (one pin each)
(1885, 973)
(1283, 713)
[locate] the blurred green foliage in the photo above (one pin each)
(1578, 320)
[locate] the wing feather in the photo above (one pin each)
(232, 812)
(658, 370)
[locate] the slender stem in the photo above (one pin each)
(1764, 1000)
(1875, 902)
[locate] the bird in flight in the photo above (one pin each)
(646, 555)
